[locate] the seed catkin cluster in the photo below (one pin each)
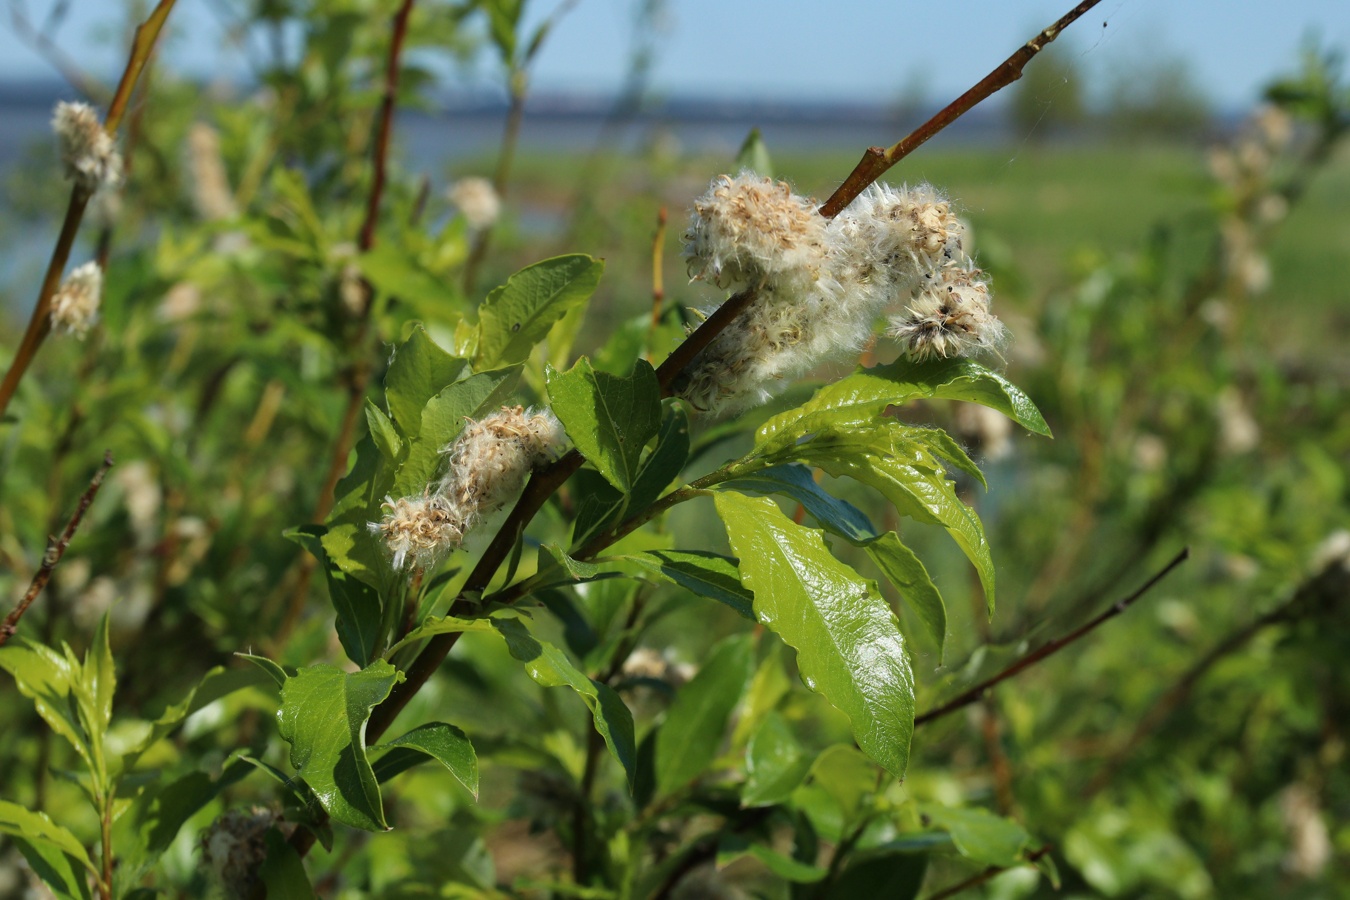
(87, 150)
(75, 304)
(821, 285)
(489, 463)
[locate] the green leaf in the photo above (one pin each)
(435, 740)
(419, 371)
(360, 619)
(302, 806)
(847, 776)
(980, 835)
(48, 679)
(893, 874)
(941, 445)
(754, 155)
(849, 647)
(396, 272)
(886, 456)
(146, 830)
(59, 871)
(443, 419)
(550, 667)
(795, 481)
(610, 419)
(383, 432)
(706, 574)
(323, 717)
(575, 569)
(774, 763)
(734, 846)
(218, 682)
(38, 829)
(442, 625)
(866, 394)
(688, 740)
(602, 505)
(282, 872)
(271, 668)
(519, 314)
(99, 678)
(911, 579)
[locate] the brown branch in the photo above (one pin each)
(876, 161)
(39, 325)
(56, 548)
(358, 374)
(1332, 583)
(968, 697)
(981, 878)
(712, 326)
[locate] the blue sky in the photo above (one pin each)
(871, 50)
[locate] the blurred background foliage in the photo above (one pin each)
(1175, 286)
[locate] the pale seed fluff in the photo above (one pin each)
(489, 463)
(75, 304)
(749, 228)
(476, 201)
(87, 150)
(235, 846)
(211, 192)
(949, 317)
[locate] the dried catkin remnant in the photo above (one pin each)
(490, 461)
(419, 530)
(211, 191)
(950, 317)
(235, 846)
(492, 458)
(749, 228)
(87, 150)
(75, 304)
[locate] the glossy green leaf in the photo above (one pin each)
(443, 418)
(62, 873)
(706, 574)
(38, 828)
(775, 763)
(865, 395)
(886, 457)
(754, 155)
(269, 667)
(733, 847)
(550, 667)
(360, 619)
(893, 874)
(910, 577)
(795, 481)
(980, 835)
(323, 717)
(435, 740)
(692, 732)
(941, 445)
(610, 419)
(282, 872)
(849, 647)
(420, 370)
(48, 679)
(518, 315)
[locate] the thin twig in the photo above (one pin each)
(1328, 585)
(39, 325)
(973, 694)
(876, 161)
(658, 279)
(56, 548)
(977, 880)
